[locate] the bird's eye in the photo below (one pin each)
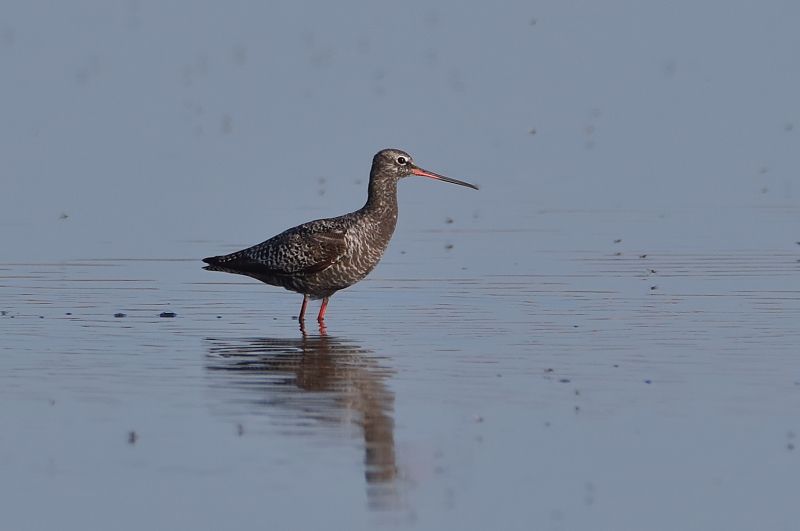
(402, 161)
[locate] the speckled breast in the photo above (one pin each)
(366, 241)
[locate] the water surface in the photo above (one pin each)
(604, 337)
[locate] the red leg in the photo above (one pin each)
(303, 309)
(323, 309)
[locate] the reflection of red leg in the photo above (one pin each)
(303, 309)
(322, 309)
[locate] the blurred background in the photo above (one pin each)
(603, 337)
(142, 124)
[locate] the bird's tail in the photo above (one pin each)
(213, 263)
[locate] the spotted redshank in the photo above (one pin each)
(321, 257)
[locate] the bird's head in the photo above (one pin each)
(396, 164)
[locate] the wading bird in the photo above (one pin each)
(321, 257)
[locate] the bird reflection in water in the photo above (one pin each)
(321, 379)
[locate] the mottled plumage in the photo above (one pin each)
(321, 257)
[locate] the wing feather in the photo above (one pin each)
(306, 249)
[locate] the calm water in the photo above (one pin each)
(587, 389)
(604, 337)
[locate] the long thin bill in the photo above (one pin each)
(425, 173)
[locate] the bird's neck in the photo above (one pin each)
(382, 197)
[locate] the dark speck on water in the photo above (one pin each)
(119, 315)
(618, 240)
(226, 126)
(642, 256)
(132, 437)
(564, 380)
(167, 314)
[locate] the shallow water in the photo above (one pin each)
(603, 337)
(581, 390)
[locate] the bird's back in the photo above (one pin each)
(316, 258)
